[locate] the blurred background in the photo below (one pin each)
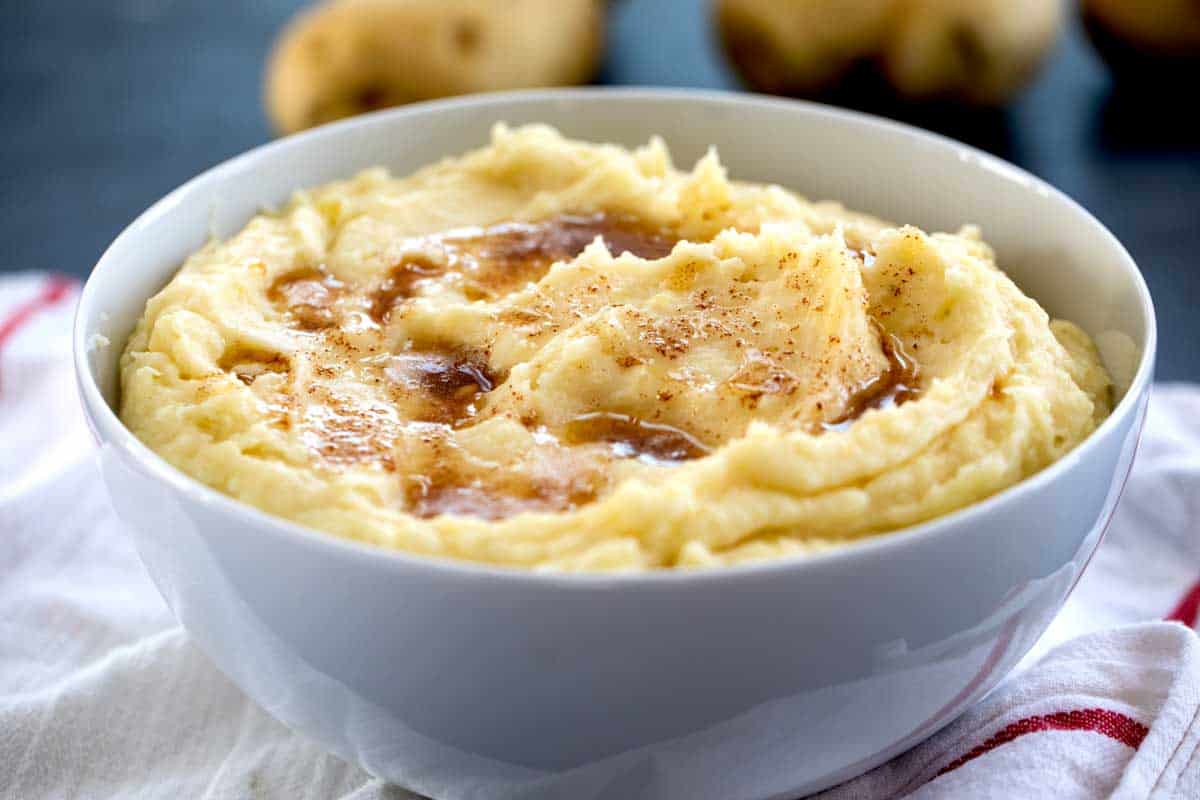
(106, 105)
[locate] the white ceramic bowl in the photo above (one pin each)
(769, 680)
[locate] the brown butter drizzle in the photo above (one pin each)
(309, 295)
(451, 381)
(401, 283)
(567, 235)
(894, 387)
(501, 495)
(502, 258)
(634, 438)
(493, 261)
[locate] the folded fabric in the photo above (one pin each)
(103, 696)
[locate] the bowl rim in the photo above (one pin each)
(109, 429)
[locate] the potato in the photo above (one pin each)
(1145, 35)
(800, 47)
(972, 51)
(976, 51)
(345, 57)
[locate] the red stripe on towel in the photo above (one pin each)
(1188, 607)
(1125, 730)
(54, 290)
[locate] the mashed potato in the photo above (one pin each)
(566, 356)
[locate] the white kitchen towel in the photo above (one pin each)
(103, 696)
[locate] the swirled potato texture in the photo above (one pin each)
(558, 355)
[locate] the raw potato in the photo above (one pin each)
(1145, 34)
(345, 57)
(973, 51)
(800, 46)
(977, 51)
